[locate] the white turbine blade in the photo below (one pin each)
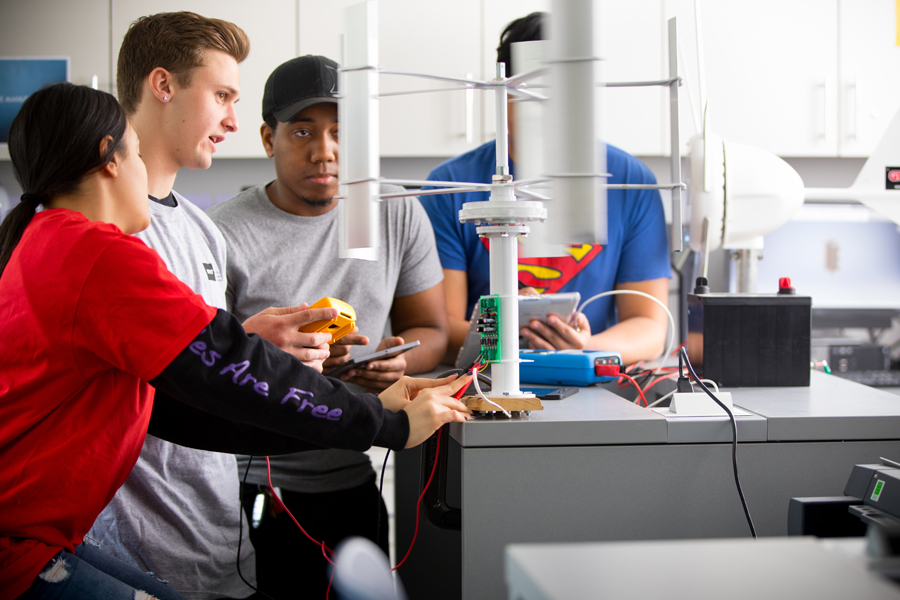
(529, 57)
(358, 109)
(575, 158)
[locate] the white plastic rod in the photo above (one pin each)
(504, 263)
(358, 109)
(676, 240)
(504, 283)
(500, 98)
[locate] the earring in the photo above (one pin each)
(165, 98)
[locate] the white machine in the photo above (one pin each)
(739, 193)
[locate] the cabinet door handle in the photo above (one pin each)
(857, 98)
(470, 111)
(826, 93)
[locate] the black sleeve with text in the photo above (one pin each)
(246, 379)
(174, 421)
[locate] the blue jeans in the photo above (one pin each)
(91, 574)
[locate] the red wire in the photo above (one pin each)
(631, 379)
(437, 453)
(325, 548)
(419, 503)
(285, 509)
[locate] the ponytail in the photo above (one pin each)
(14, 225)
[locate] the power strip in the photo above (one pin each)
(699, 404)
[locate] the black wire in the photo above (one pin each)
(241, 530)
(737, 481)
(646, 374)
(380, 495)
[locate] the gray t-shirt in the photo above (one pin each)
(177, 513)
(280, 259)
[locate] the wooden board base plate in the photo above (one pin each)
(475, 403)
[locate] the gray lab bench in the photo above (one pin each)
(594, 467)
(771, 568)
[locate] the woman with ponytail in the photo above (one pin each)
(91, 321)
(65, 161)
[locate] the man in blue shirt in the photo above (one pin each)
(634, 258)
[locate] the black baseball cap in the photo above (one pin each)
(298, 84)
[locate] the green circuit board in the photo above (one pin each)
(489, 327)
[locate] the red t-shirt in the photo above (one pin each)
(87, 316)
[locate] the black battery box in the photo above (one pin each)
(750, 340)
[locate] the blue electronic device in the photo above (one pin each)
(569, 367)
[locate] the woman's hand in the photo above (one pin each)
(428, 403)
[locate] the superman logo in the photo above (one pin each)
(549, 275)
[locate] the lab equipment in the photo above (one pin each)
(339, 326)
(569, 367)
(751, 340)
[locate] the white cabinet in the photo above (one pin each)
(427, 36)
(869, 63)
(271, 27)
(632, 45)
(633, 41)
(771, 72)
(440, 38)
(796, 77)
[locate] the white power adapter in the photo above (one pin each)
(699, 404)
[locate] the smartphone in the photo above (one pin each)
(380, 355)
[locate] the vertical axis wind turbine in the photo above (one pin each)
(578, 183)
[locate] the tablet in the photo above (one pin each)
(530, 307)
(379, 355)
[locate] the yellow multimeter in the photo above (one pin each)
(339, 326)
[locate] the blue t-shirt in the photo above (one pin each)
(637, 247)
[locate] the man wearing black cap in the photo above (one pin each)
(283, 244)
